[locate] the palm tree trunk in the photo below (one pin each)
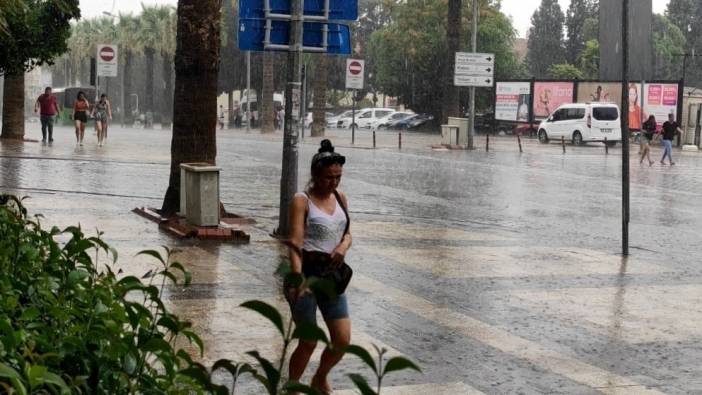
(13, 107)
(149, 54)
(266, 101)
(230, 108)
(453, 30)
(320, 96)
(195, 97)
(167, 112)
(127, 87)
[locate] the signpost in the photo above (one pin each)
(295, 26)
(106, 64)
(474, 69)
(355, 71)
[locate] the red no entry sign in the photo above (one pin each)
(107, 54)
(355, 67)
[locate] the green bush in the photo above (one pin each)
(70, 325)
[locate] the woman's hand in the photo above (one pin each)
(338, 255)
(295, 293)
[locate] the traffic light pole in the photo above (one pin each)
(625, 127)
(288, 181)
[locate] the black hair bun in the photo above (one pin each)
(326, 146)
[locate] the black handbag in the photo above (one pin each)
(318, 264)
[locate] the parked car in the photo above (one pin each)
(384, 121)
(412, 122)
(309, 118)
(334, 121)
(582, 123)
(366, 116)
(485, 123)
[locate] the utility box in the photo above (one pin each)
(462, 124)
(449, 134)
(199, 193)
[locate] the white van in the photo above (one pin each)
(581, 123)
(366, 116)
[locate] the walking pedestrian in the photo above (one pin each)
(649, 129)
(102, 112)
(47, 108)
(221, 117)
(319, 242)
(670, 129)
(80, 116)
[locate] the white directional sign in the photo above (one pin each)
(474, 69)
(107, 60)
(354, 73)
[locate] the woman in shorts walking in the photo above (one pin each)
(102, 112)
(80, 116)
(649, 129)
(319, 222)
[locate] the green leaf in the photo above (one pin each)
(156, 344)
(362, 384)
(198, 373)
(30, 314)
(54, 379)
(310, 332)
(363, 354)
(399, 363)
(35, 375)
(152, 253)
(267, 311)
(169, 323)
(76, 276)
(235, 370)
(194, 338)
(272, 375)
(14, 377)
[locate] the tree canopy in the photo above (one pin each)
(545, 38)
(33, 32)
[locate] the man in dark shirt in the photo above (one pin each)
(670, 129)
(47, 108)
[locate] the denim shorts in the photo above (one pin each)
(305, 308)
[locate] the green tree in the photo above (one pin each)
(167, 27)
(577, 16)
(564, 71)
(453, 33)
(589, 60)
(232, 70)
(150, 39)
(130, 47)
(195, 100)
(668, 44)
(34, 33)
(686, 14)
(545, 38)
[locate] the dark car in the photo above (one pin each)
(485, 123)
(412, 122)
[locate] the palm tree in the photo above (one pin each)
(267, 113)
(168, 48)
(453, 36)
(129, 47)
(195, 98)
(320, 95)
(149, 36)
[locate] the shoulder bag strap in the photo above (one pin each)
(346, 212)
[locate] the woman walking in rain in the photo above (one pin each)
(320, 239)
(648, 130)
(102, 112)
(80, 116)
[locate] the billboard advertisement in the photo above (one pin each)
(661, 100)
(512, 101)
(600, 92)
(549, 95)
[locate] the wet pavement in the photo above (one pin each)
(497, 272)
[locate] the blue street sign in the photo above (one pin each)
(338, 9)
(252, 33)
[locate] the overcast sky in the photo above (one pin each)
(519, 10)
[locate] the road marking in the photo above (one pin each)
(564, 365)
(423, 389)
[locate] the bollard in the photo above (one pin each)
(606, 146)
(563, 143)
(519, 141)
(399, 139)
(487, 142)
(374, 138)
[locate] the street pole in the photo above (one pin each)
(625, 127)
(303, 102)
(121, 99)
(247, 113)
(474, 48)
(288, 180)
(353, 117)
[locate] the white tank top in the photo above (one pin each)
(323, 232)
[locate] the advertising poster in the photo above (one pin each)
(661, 100)
(512, 101)
(549, 95)
(599, 92)
(636, 115)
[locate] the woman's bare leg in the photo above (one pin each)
(340, 333)
(300, 358)
(98, 127)
(77, 124)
